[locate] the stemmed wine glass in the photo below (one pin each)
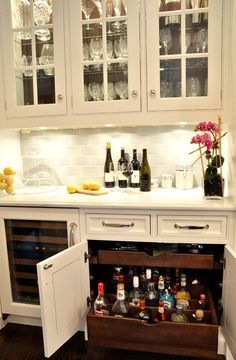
(124, 2)
(109, 12)
(98, 3)
(42, 14)
(87, 8)
(47, 57)
(203, 39)
(96, 91)
(127, 171)
(121, 88)
(165, 40)
(117, 11)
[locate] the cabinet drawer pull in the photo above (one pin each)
(191, 227)
(46, 266)
(73, 227)
(114, 225)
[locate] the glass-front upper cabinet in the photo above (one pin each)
(184, 54)
(105, 55)
(33, 54)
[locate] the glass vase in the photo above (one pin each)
(214, 187)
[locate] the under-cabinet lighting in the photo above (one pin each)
(108, 125)
(182, 123)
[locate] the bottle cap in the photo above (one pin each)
(148, 273)
(108, 146)
(135, 281)
(101, 288)
(120, 286)
(142, 304)
(161, 303)
(202, 297)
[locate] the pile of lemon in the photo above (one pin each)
(86, 185)
(7, 180)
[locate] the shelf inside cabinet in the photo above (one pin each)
(168, 259)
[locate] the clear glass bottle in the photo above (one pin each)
(183, 295)
(161, 285)
(135, 167)
(122, 168)
(109, 174)
(117, 276)
(120, 307)
(135, 294)
(179, 315)
(101, 306)
(145, 281)
(145, 173)
(151, 296)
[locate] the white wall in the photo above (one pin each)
(10, 150)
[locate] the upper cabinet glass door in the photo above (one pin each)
(34, 57)
(184, 54)
(105, 55)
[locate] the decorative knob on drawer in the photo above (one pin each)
(59, 97)
(134, 93)
(153, 92)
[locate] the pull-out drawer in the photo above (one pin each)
(186, 339)
(195, 227)
(108, 224)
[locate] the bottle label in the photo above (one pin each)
(135, 177)
(121, 176)
(135, 302)
(145, 182)
(183, 302)
(161, 285)
(109, 176)
(120, 295)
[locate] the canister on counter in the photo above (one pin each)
(166, 181)
(184, 177)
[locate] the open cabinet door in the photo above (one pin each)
(229, 300)
(63, 281)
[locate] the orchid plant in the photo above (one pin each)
(208, 140)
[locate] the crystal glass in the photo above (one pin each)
(111, 91)
(87, 96)
(124, 2)
(21, 17)
(47, 57)
(110, 50)
(96, 91)
(86, 51)
(95, 48)
(193, 86)
(121, 47)
(87, 8)
(165, 41)
(121, 88)
(27, 61)
(203, 40)
(117, 7)
(42, 14)
(166, 89)
(98, 3)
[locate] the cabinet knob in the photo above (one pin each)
(153, 92)
(134, 93)
(59, 97)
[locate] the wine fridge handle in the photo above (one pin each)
(191, 227)
(73, 227)
(115, 225)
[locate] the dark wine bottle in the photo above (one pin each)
(134, 168)
(122, 168)
(109, 175)
(145, 173)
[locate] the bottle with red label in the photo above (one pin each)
(161, 313)
(101, 306)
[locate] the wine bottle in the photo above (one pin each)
(145, 173)
(121, 307)
(101, 306)
(122, 167)
(135, 167)
(109, 175)
(135, 294)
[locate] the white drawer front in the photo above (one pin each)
(118, 224)
(192, 226)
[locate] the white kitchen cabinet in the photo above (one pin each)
(27, 237)
(105, 56)
(33, 57)
(184, 72)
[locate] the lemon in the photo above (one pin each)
(71, 189)
(3, 185)
(86, 185)
(9, 179)
(2, 177)
(94, 185)
(9, 171)
(9, 189)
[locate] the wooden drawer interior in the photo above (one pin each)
(188, 339)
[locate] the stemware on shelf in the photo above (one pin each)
(22, 18)
(117, 5)
(95, 48)
(124, 2)
(203, 40)
(86, 52)
(111, 91)
(121, 48)
(47, 57)
(42, 14)
(110, 49)
(87, 9)
(165, 41)
(121, 88)
(96, 91)
(193, 86)
(27, 61)
(166, 89)
(87, 96)
(109, 12)
(98, 4)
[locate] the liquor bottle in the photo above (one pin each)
(120, 307)
(161, 313)
(122, 168)
(146, 280)
(183, 295)
(161, 285)
(199, 315)
(144, 314)
(202, 303)
(117, 276)
(179, 315)
(109, 174)
(151, 295)
(101, 306)
(167, 279)
(177, 279)
(135, 167)
(145, 173)
(135, 294)
(167, 297)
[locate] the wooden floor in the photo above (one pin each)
(21, 342)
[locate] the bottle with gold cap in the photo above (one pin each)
(121, 306)
(109, 174)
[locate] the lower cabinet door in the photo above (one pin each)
(63, 290)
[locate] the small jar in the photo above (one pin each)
(166, 181)
(184, 177)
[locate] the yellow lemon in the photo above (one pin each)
(3, 185)
(9, 189)
(9, 171)
(86, 185)
(2, 177)
(94, 185)
(9, 180)
(71, 189)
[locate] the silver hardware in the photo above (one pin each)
(134, 93)
(86, 257)
(46, 266)
(104, 223)
(73, 227)
(59, 97)
(191, 227)
(223, 262)
(153, 92)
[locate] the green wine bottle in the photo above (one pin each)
(145, 173)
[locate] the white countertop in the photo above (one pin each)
(117, 198)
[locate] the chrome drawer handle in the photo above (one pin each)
(114, 225)
(73, 227)
(47, 266)
(191, 227)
